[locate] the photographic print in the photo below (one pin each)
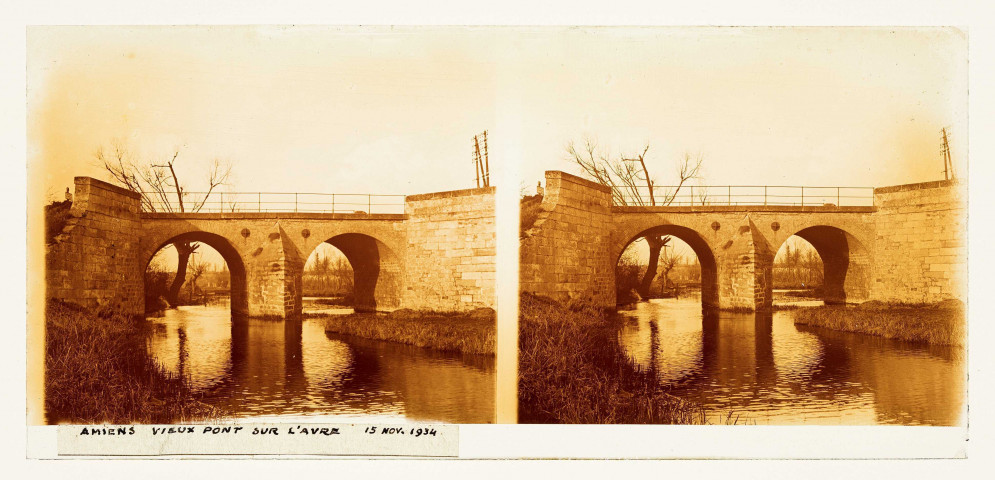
(759, 226)
(262, 224)
(286, 227)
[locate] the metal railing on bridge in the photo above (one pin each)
(752, 195)
(282, 202)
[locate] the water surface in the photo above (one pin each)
(767, 370)
(265, 368)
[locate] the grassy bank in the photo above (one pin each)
(938, 324)
(573, 370)
(97, 371)
(458, 332)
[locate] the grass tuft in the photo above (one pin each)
(97, 370)
(573, 370)
(458, 332)
(937, 324)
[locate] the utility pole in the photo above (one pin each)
(481, 163)
(948, 166)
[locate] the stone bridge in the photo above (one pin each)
(438, 255)
(910, 246)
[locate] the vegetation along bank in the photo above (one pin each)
(573, 370)
(938, 324)
(97, 370)
(472, 332)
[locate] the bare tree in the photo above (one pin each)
(632, 185)
(196, 270)
(162, 192)
(667, 264)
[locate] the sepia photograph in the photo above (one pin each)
(262, 223)
(709, 242)
(745, 226)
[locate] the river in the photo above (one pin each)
(763, 369)
(266, 369)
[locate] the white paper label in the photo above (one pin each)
(260, 439)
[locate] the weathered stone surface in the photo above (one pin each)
(439, 255)
(909, 247)
(451, 262)
(566, 254)
(94, 261)
(921, 242)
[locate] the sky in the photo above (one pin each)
(394, 110)
(764, 106)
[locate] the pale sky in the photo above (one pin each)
(764, 106)
(393, 111)
(294, 110)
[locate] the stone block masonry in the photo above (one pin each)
(909, 247)
(439, 255)
(94, 262)
(451, 255)
(921, 242)
(565, 254)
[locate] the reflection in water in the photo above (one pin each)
(763, 367)
(254, 367)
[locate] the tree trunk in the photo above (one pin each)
(183, 251)
(656, 244)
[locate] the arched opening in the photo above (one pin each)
(845, 263)
(329, 282)
(214, 272)
(376, 271)
(685, 265)
(798, 272)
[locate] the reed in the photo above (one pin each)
(937, 324)
(573, 370)
(97, 370)
(458, 332)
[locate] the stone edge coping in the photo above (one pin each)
(745, 208)
(577, 180)
(273, 215)
(450, 194)
(916, 186)
(107, 186)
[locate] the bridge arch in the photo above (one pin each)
(846, 261)
(376, 270)
(698, 244)
(236, 266)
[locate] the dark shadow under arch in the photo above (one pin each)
(709, 269)
(375, 269)
(845, 263)
(236, 267)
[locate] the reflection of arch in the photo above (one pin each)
(236, 268)
(709, 271)
(375, 268)
(845, 262)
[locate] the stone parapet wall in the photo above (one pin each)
(565, 255)
(94, 262)
(450, 259)
(921, 242)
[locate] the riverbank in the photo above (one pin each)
(937, 324)
(473, 332)
(572, 370)
(97, 370)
